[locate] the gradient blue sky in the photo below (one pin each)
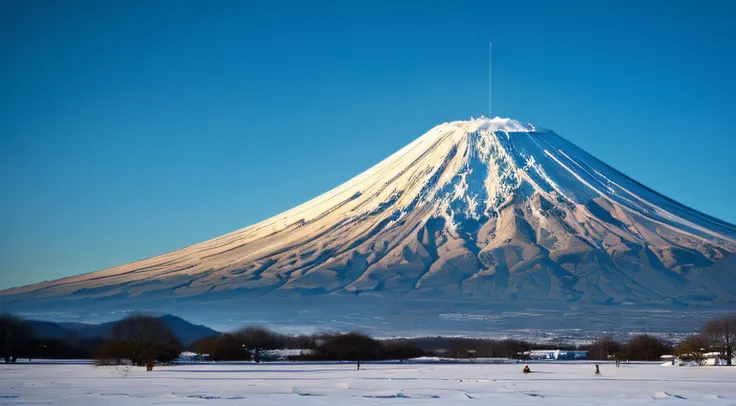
(133, 128)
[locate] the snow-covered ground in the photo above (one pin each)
(341, 384)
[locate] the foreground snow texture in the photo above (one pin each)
(481, 208)
(336, 384)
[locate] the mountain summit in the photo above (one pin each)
(486, 208)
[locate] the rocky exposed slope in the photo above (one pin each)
(480, 208)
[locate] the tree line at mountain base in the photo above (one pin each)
(717, 336)
(144, 341)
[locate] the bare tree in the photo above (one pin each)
(693, 347)
(603, 347)
(143, 340)
(15, 337)
(645, 347)
(721, 334)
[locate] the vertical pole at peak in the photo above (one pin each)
(490, 55)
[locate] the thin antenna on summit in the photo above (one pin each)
(490, 55)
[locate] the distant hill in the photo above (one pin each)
(185, 332)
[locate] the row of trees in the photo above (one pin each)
(143, 340)
(716, 336)
(458, 347)
(250, 343)
(642, 347)
(360, 347)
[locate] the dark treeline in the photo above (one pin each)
(136, 339)
(642, 347)
(143, 340)
(360, 347)
(17, 340)
(458, 347)
(252, 343)
(249, 343)
(717, 336)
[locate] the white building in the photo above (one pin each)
(566, 355)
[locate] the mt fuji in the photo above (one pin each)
(490, 209)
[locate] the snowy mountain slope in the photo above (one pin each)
(487, 208)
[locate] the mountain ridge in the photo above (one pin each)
(186, 332)
(488, 208)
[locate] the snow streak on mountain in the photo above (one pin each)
(487, 208)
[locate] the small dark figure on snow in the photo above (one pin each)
(526, 369)
(358, 363)
(597, 369)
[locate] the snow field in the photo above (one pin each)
(341, 384)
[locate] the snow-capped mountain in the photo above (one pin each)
(487, 208)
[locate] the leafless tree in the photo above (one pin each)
(603, 347)
(143, 340)
(721, 334)
(693, 347)
(646, 348)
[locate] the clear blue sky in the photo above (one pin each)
(133, 128)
